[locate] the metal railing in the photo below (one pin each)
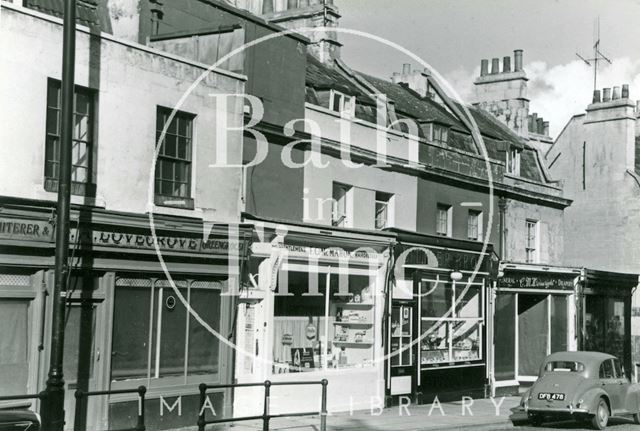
(266, 416)
(40, 396)
(141, 391)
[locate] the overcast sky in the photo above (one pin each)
(454, 35)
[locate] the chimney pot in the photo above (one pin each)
(517, 60)
(495, 66)
(625, 91)
(484, 67)
(545, 128)
(596, 96)
(606, 94)
(506, 64)
(406, 68)
(616, 93)
(530, 123)
(540, 126)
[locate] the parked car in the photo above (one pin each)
(588, 386)
(19, 420)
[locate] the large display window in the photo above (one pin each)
(451, 320)
(605, 325)
(156, 337)
(319, 326)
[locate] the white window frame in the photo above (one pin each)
(448, 209)
(532, 247)
(388, 203)
(346, 104)
(479, 227)
(444, 133)
(513, 161)
(342, 219)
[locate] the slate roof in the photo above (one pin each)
(409, 104)
(323, 77)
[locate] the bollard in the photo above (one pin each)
(141, 391)
(203, 399)
(323, 408)
(265, 414)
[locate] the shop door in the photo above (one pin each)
(402, 356)
(533, 333)
(81, 359)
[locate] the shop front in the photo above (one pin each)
(605, 314)
(129, 320)
(534, 314)
(313, 311)
(437, 328)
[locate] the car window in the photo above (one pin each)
(566, 366)
(606, 369)
(617, 368)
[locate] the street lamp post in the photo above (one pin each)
(53, 405)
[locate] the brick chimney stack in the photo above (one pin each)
(612, 124)
(294, 14)
(504, 93)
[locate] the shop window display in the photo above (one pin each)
(605, 325)
(313, 333)
(451, 321)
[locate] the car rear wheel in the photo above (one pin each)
(600, 419)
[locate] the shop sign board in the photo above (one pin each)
(215, 246)
(545, 281)
(17, 229)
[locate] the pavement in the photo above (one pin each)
(477, 414)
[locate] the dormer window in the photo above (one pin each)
(342, 104)
(513, 161)
(438, 133)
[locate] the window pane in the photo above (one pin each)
(298, 322)
(53, 94)
(169, 146)
(130, 333)
(436, 297)
(14, 339)
(468, 301)
(203, 345)
(558, 323)
(466, 339)
(53, 121)
(173, 332)
(83, 102)
(615, 328)
(434, 344)
(81, 127)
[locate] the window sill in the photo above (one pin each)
(77, 189)
(174, 202)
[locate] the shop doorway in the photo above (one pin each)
(82, 356)
(528, 326)
(402, 348)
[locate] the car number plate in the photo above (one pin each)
(550, 396)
